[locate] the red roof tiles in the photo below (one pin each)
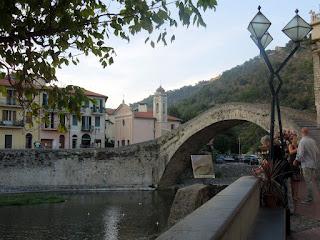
(149, 115)
(110, 111)
(93, 94)
(5, 82)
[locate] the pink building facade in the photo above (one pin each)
(143, 124)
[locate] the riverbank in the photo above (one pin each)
(67, 189)
(29, 199)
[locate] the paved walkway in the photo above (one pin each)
(308, 216)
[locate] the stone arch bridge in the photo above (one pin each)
(155, 163)
(176, 147)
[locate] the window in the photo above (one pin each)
(164, 108)
(118, 143)
(62, 119)
(98, 142)
(44, 99)
(74, 141)
(157, 108)
(123, 122)
(61, 141)
(8, 115)
(172, 126)
(29, 117)
(28, 140)
(8, 141)
(97, 121)
(74, 120)
(50, 122)
(11, 100)
(86, 104)
(101, 105)
(94, 108)
(128, 142)
(86, 141)
(86, 123)
(123, 142)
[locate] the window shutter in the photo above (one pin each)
(14, 115)
(4, 115)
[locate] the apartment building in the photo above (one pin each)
(89, 131)
(18, 129)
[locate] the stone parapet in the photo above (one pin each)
(228, 215)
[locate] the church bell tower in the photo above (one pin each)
(160, 112)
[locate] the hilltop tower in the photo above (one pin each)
(160, 111)
(315, 36)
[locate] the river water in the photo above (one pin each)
(97, 216)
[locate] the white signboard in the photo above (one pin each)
(202, 166)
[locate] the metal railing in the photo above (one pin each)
(16, 123)
(97, 110)
(9, 101)
(87, 128)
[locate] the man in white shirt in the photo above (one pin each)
(307, 155)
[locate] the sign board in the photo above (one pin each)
(202, 166)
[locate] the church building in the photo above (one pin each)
(143, 124)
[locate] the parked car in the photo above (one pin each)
(228, 159)
(219, 159)
(251, 160)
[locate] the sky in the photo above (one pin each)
(197, 53)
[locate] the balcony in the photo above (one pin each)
(87, 128)
(12, 124)
(83, 109)
(48, 128)
(97, 110)
(9, 102)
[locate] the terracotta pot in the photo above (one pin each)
(270, 200)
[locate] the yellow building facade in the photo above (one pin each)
(18, 129)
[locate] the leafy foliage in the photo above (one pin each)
(37, 37)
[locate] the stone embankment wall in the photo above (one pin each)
(189, 198)
(127, 167)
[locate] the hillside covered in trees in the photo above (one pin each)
(248, 83)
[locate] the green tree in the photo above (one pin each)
(39, 36)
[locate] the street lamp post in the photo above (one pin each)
(297, 29)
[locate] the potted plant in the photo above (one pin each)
(271, 175)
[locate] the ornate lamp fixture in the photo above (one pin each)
(297, 29)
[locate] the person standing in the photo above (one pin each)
(307, 155)
(295, 177)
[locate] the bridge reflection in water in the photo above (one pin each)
(98, 216)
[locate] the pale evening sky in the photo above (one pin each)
(196, 54)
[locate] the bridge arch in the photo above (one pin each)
(177, 146)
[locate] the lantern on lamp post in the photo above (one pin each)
(297, 29)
